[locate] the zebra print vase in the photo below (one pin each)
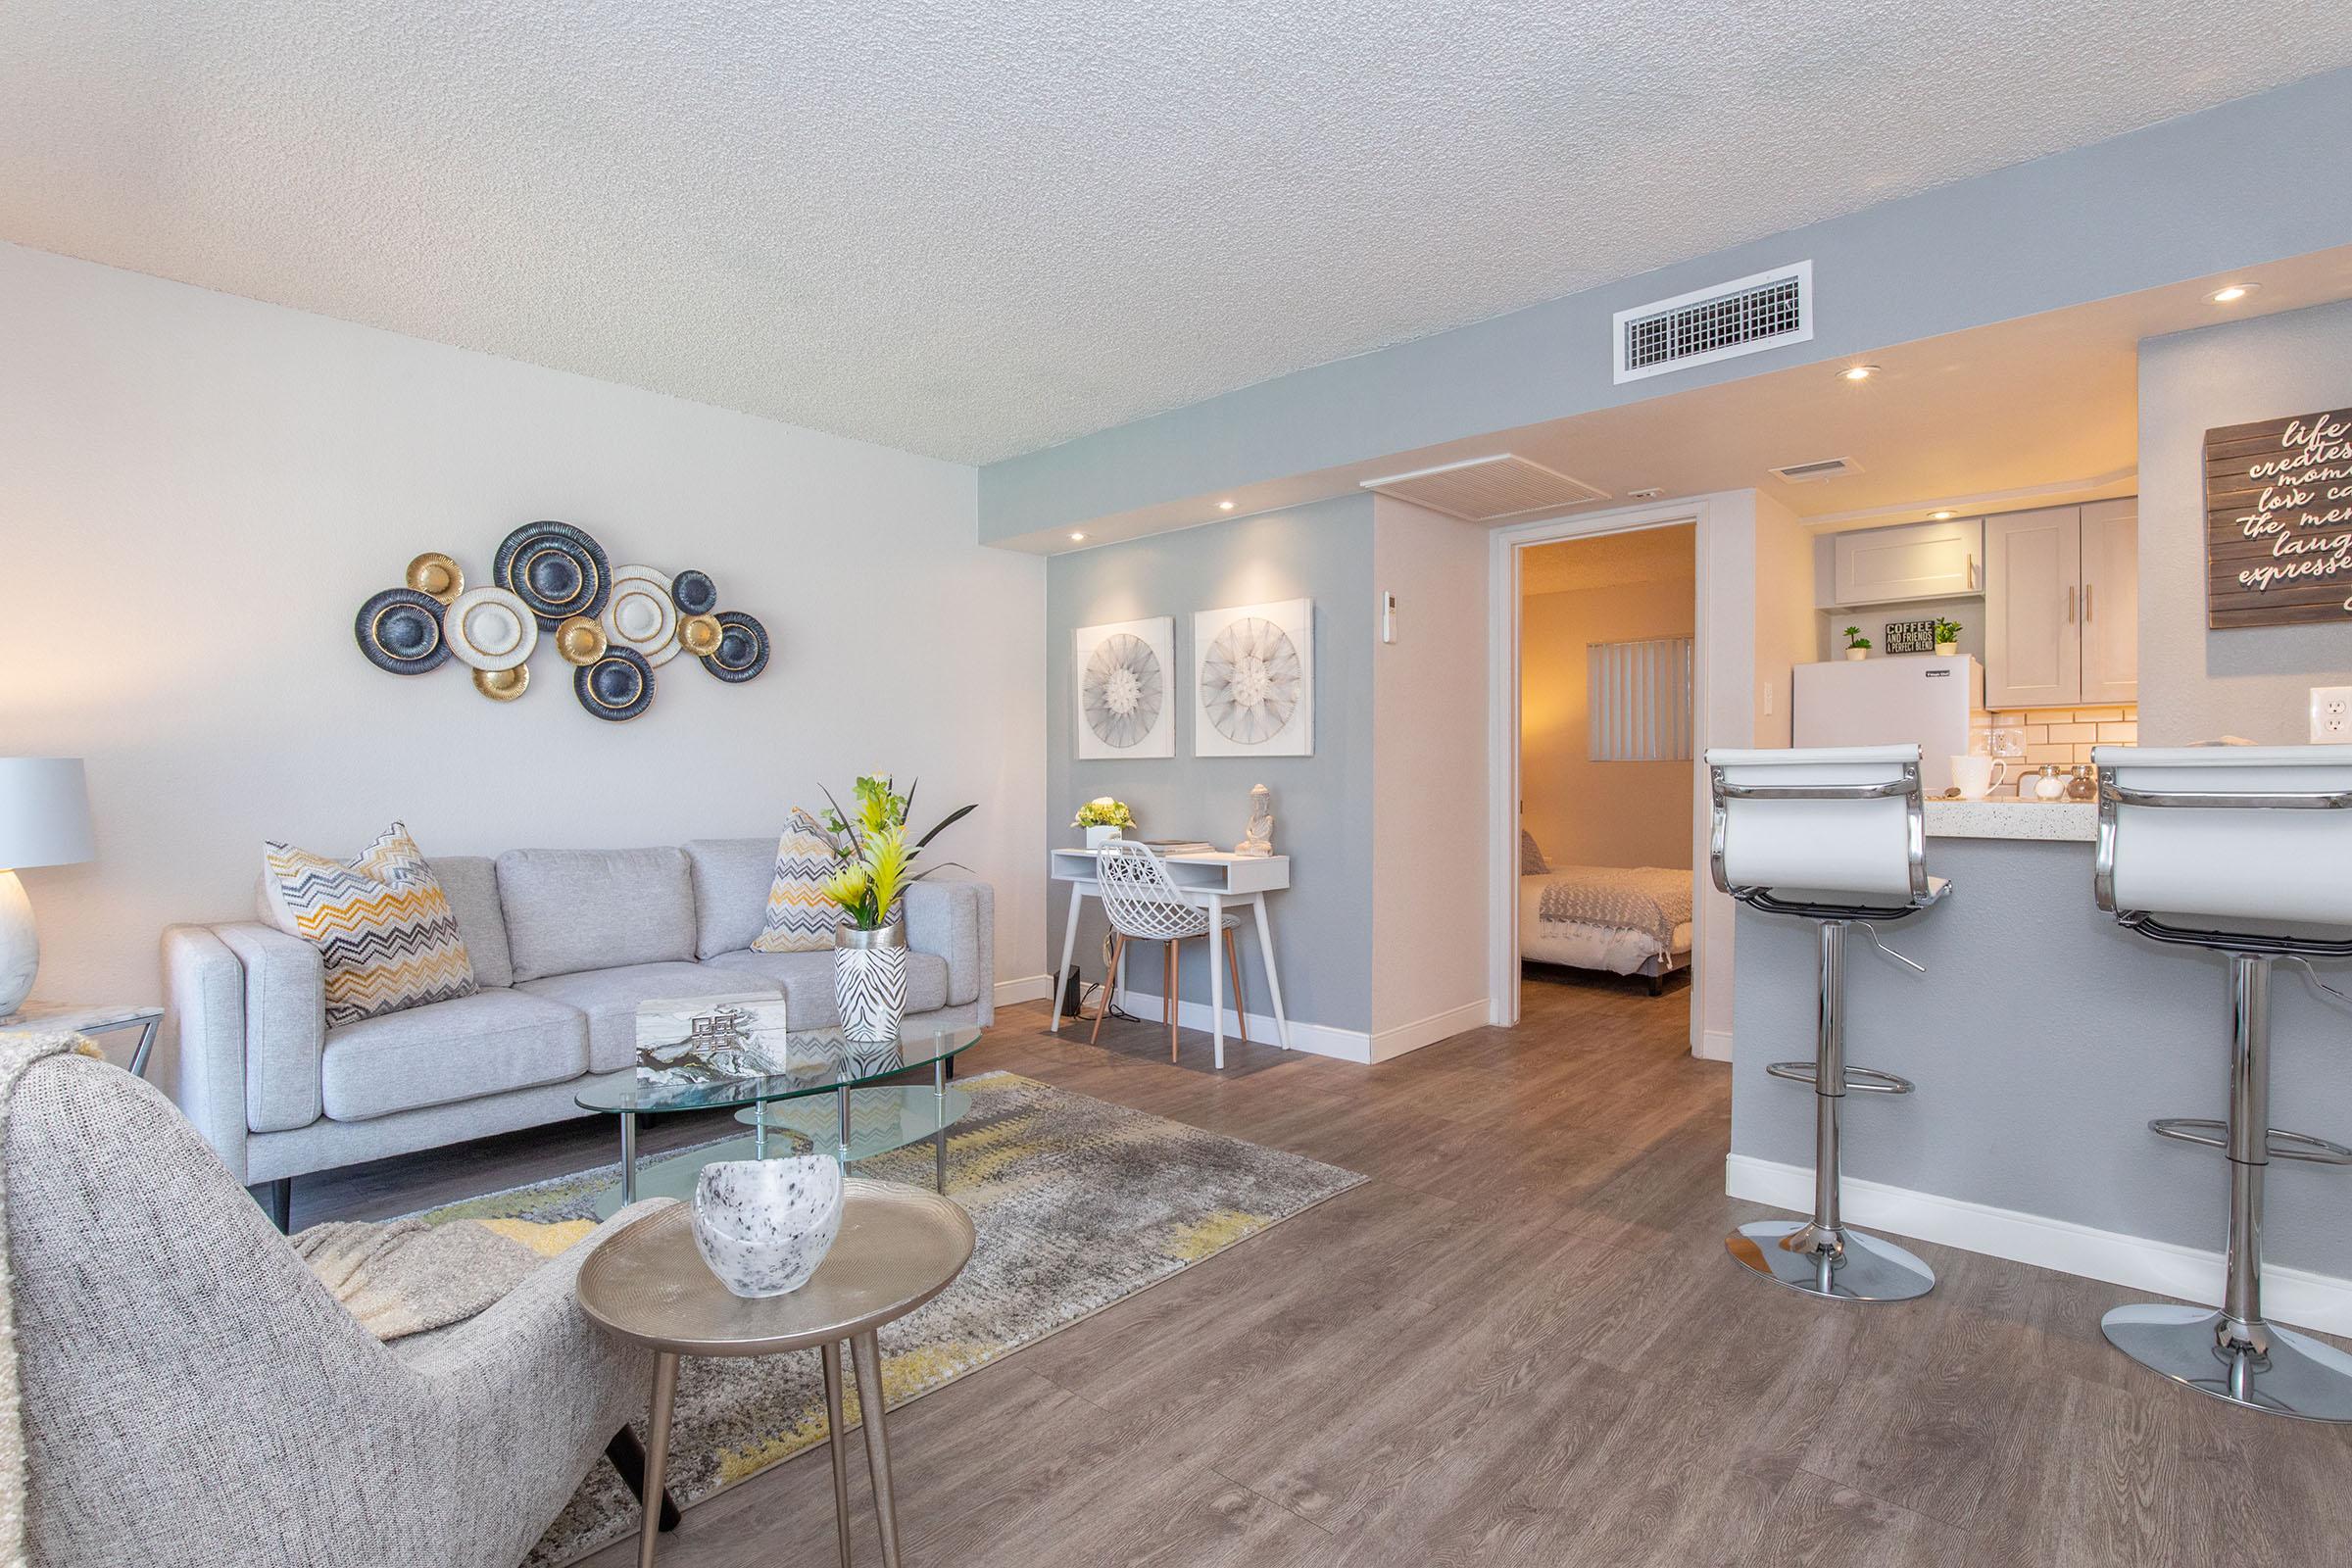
(869, 981)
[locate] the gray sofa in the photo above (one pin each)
(564, 945)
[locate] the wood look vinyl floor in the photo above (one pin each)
(1520, 1343)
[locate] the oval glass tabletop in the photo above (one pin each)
(816, 1062)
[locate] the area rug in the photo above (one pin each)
(1078, 1204)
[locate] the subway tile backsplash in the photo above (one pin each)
(2057, 735)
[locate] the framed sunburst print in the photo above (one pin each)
(1125, 679)
(1254, 687)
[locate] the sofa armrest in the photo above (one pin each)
(285, 1025)
(204, 1011)
(957, 920)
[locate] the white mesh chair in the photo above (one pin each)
(1145, 904)
(2257, 838)
(1838, 835)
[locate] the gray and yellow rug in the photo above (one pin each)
(1079, 1204)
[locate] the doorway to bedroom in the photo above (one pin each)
(1607, 731)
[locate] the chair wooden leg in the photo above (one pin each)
(1233, 968)
(1110, 988)
(1175, 968)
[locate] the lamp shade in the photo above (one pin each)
(44, 812)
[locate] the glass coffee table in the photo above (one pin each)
(830, 1097)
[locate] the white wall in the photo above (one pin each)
(1428, 778)
(197, 492)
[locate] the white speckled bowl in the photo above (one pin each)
(763, 1225)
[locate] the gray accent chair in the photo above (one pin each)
(564, 945)
(193, 1396)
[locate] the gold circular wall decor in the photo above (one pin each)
(503, 685)
(580, 639)
(698, 635)
(437, 574)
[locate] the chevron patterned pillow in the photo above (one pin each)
(800, 918)
(380, 921)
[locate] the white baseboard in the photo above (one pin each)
(1715, 1045)
(1026, 988)
(1315, 1039)
(2292, 1295)
(1405, 1037)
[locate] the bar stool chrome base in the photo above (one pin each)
(1851, 1267)
(2292, 1375)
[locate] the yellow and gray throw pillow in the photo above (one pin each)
(380, 921)
(800, 918)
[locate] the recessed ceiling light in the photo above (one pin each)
(1941, 517)
(2232, 294)
(1649, 493)
(1077, 537)
(1858, 372)
(1224, 505)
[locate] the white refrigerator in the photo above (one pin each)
(1884, 701)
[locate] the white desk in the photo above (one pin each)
(1211, 881)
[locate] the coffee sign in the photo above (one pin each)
(2279, 522)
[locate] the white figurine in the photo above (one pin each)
(1260, 841)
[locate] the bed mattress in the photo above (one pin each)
(1618, 950)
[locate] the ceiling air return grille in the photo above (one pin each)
(1825, 468)
(1757, 313)
(1485, 489)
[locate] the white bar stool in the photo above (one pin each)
(1837, 835)
(2259, 838)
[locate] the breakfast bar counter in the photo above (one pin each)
(2043, 1039)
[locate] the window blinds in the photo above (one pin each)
(1639, 694)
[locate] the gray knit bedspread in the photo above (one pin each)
(1647, 899)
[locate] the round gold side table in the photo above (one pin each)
(898, 1248)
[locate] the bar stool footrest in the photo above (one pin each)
(2280, 1144)
(1858, 1080)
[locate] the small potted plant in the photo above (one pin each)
(1103, 819)
(875, 864)
(1948, 638)
(1858, 646)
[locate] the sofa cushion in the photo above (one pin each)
(485, 1044)
(470, 884)
(610, 998)
(800, 918)
(731, 880)
(807, 980)
(380, 920)
(573, 909)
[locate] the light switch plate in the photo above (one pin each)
(2331, 715)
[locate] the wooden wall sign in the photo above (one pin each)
(1910, 637)
(2279, 522)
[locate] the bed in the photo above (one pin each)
(1623, 920)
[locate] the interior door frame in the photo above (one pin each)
(1503, 576)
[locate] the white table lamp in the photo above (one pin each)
(44, 820)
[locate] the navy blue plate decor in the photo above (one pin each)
(399, 630)
(742, 649)
(557, 569)
(694, 593)
(617, 686)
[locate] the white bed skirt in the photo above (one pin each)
(1617, 949)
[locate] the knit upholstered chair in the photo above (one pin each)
(193, 1396)
(1145, 904)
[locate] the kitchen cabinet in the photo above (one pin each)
(2062, 605)
(1919, 560)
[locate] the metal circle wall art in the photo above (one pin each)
(612, 624)
(399, 630)
(742, 651)
(1123, 690)
(556, 568)
(1250, 681)
(617, 686)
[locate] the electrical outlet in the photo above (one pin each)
(2331, 715)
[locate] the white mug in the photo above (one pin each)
(1976, 775)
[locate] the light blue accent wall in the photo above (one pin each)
(1322, 803)
(2249, 182)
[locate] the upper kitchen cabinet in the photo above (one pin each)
(1920, 561)
(2062, 605)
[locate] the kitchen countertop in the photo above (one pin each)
(2007, 818)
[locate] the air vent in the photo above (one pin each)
(1485, 489)
(1825, 468)
(1757, 313)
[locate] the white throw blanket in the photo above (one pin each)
(1646, 898)
(17, 1052)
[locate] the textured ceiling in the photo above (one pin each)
(970, 230)
(1610, 561)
